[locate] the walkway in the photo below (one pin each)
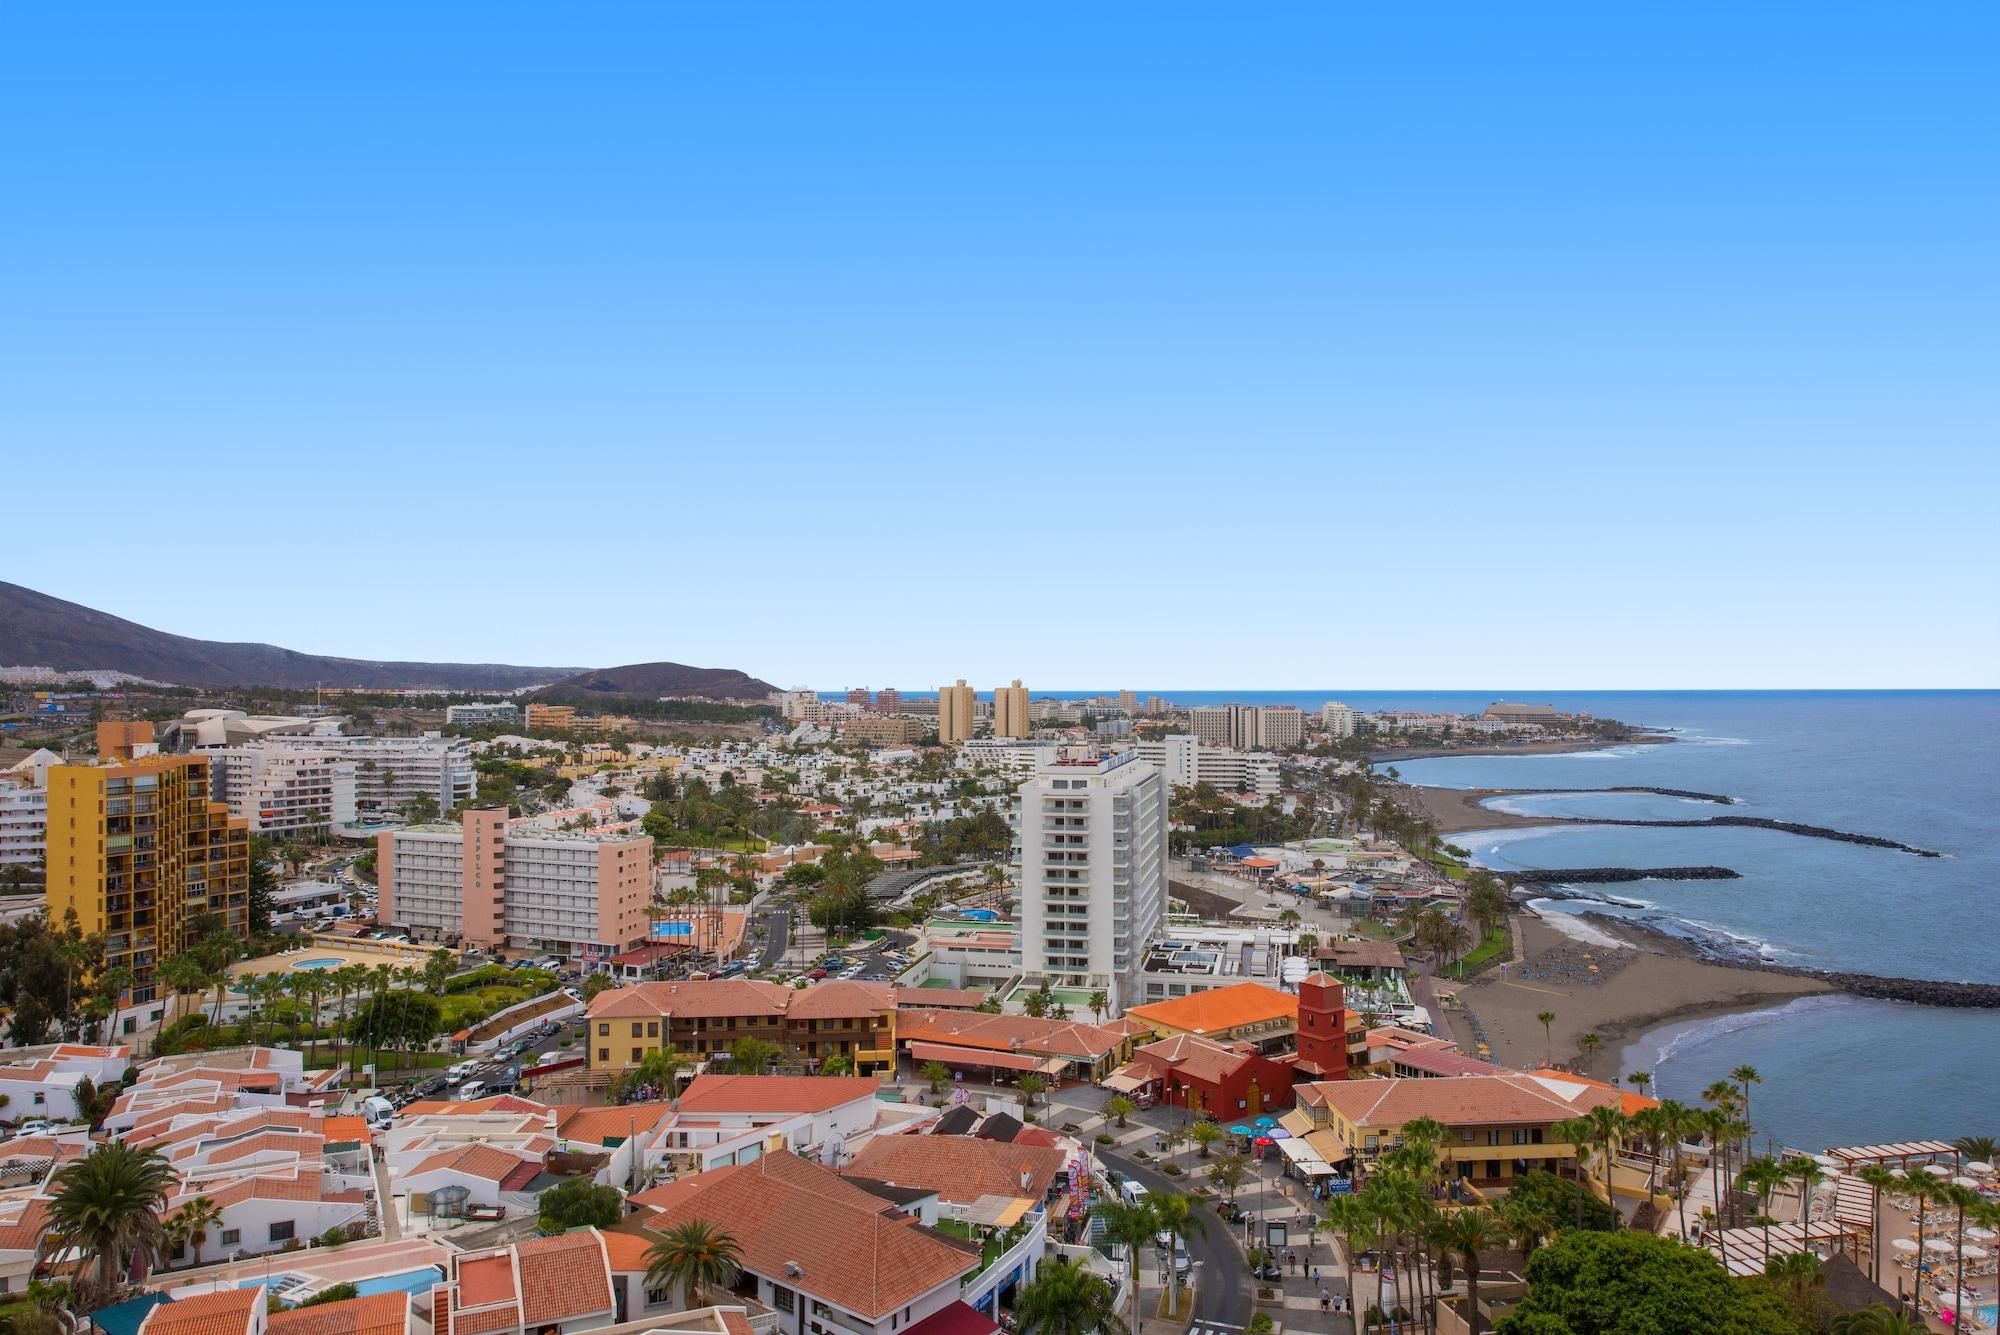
(385, 1205)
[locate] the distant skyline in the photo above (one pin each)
(1630, 348)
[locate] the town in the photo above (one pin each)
(357, 1011)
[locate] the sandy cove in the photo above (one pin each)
(1644, 983)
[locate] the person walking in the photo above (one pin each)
(1325, 1301)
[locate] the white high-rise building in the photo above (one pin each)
(1337, 718)
(24, 811)
(473, 716)
(1247, 727)
(392, 772)
(1186, 761)
(1093, 839)
(284, 790)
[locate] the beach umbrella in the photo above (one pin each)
(1936, 1245)
(1903, 1244)
(1964, 1182)
(1267, 1122)
(1979, 1166)
(1978, 1234)
(1937, 1170)
(1898, 1172)
(1972, 1253)
(1264, 1140)
(1239, 1130)
(1277, 1133)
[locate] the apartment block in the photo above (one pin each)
(1010, 711)
(137, 847)
(1247, 727)
(1186, 760)
(882, 730)
(703, 1020)
(482, 714)
(1337, 719)
(957, 711)
(1093, 841)
(24, 813)
(489, 881)
(284, 791)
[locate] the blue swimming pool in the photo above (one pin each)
(409, 1281)
(322, 962)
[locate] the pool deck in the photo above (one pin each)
(322, 1265)
(345, 949)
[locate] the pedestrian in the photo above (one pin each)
(1325, 1300)
(1315, 1274)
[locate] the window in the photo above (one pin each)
(783, 1300)
(604, 1054)
(603, 1031)
(281, 1231)
(635, 1028)
(652, 1029)
(231, 1236)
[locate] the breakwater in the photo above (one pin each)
(1615, 875)
(1719, 799)
(1760, 823)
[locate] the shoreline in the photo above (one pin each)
(1391, 755)
(1643, 980)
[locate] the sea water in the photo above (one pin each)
(1916, 767)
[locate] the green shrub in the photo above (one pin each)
(334, 1237)
(1261, 1324)
(332, 1293)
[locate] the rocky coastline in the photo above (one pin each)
(1617, 875)
(1761, 823)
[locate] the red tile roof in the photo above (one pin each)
(1004, 1033)
(712, 997)
(376, 1314)
(955, 1318)
(563, 1278)
(1191, 1055)
(225, 1312)
(483, 1161)
(775, 1093)
(1218, 1010)
(959, 1168)
(856, 1251)
(595, 1126)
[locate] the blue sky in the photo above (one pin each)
(1589, 346)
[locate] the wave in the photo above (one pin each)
(1708, 1031)
(1574, 927)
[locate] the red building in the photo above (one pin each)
(1226, 1081)
(1323, 1038)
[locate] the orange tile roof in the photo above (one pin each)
(344, 1129)
(1004, 1033)
(626, 1251)
(475, 1160)
(958, 1168)
(595, 1125)
(304, 1187)
(506, 1317)
(1511, 1098)
(294, 1142)
(376, 1314)
(712, 997)
(1628, 1103)
(775, 1093)
(25, 1233)
(563, 1278)
(1220, 1009)
(225, 1312)
(857, 1251)
(837, 999)
(1191, 1054)
(499, 1103)
(486, 1279)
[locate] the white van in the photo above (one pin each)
(1134, 1193)
(471, 1089)
(459, 1072)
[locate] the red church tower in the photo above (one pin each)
(1322, 1028)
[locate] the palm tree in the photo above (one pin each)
(690, 1256)
(1608, 1128)
(194, 1217)
(1682, 1122)
(1547, 1018)
(1746, 1076)
(1960, 1199)
(1132, 1227)
(1762, 1176)
(937, 1075)
(107, 1205)
(1100, 1002)
(1526, 1224)
(1576, 1131)
(1639, 1080)
(1654, 1126)
(1120, 1107)
(1173, 1215)
(1064, 1298)
(1204, 1133)
(1879, 1179)
(1587, 1046)
(1355, 1224)
(1465, 1234)
(1878, 1319)
(1029, 1085)
(1979, 1149)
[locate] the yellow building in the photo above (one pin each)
(701, 1020)
(955, 713)
(1010, 711)
(136, 849)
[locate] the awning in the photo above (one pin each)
(1304, 1157)
(1004, 1061)
(1122, 1083)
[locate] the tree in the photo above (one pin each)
(1588, 1283)
(838, 1064)
(1228, 1172)
(1465, 1234)
(1588, 1045)
(1100, 1002)
(1978, 1149)
(1746, 1076)
(692, 1256)
(579, 1202)
(332, 1293)
(1030, 1085)
(656, 1071)
(1204, 1133)
(1174, 1216)
(1562, 1200)
(1131, 1227)
(752, 1056)
(439, 966)
(1354, 1223)
(937, 1075)
(1120, 1107)
(107, 1204)
(1547, 1018)
(1064, 1298)
(1878, 1319)
(597, 983)
(194, 1217)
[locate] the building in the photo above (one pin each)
(489, 881)
(482, 715)
(1362, 960)
(1222, 1081)
(977, 1041)
(703, 1020)
(888, 700)
(1248, 1012)
(957, 710)
(137, 846)
(1498, 1127)
(858, 696)
(1093, 838)
(1187, 760)
(1280, 726)
(882, 730)
(1010, 711)
(827, 1254)
(796, 703)
(24, 816)
(1523, 716)
(1248, 727)
(1128, 701)
(1010, 755)
(1337, 719)
(541, 1286)
(284, 791)
(558, 717)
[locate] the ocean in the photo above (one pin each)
(1916, 767)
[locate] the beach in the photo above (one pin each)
(1453, 810)
(1390, 755)
(1642, 980)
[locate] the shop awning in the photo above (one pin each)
(1123, 1083)
(1004, 1061)
(1304, 1157)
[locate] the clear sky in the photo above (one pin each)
(1205, 346)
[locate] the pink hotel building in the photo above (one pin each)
(490, 881)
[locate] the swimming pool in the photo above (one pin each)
(322, 962)
(409, 1281)
(1989, 1315)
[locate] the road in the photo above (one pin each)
(1222, 1283)
(777, 937)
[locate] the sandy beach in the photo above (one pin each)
(1641, 981)
(1453, 810)
(1390, 755)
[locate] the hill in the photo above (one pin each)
(39, 631)
(650, 681)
